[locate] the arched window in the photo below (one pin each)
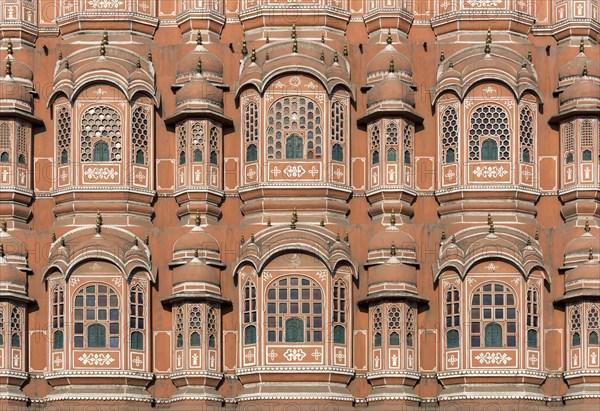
(375, 157)
(452, 317)
(139, 134)
(63, 134)
(197, 142)
(489, 149)
(4, 157)
(532, 317)
(339, 312)
(21, 159)
(294, 147)
(391, 155)
(182, 142)
(375, 144)
(251, 153)
(197, 157)
(488, 122)
(211, 327)
(337, 153)
(5, 142)
(410, 326)
(526, 133)
(250, 335)
(96, 309)
(377, 327)
(22, 143)
(58, 317)
(576, 340)
(593, 325)
(569, 142)
(294, 297)
(182, 158)
(575, 326)
(526, 157)
(101, 124)
(593, 338)
(294, 330)
(493, 335)
(394, 325)
(195, 325)
(408, 143)
(450, 134)
(493, 312)
(251, 122)
(179, 327)
(136, 316)
(569, 158)
(100, 151)
(586, 155)
(214, 146)
(294, 116)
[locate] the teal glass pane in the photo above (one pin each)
(294, 330)
(493, 335)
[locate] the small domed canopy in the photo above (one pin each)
(467, 247)
(13, 282)
(391, 90)
(196, 242)
(582, 282)
(199, 97)
(465, 68)
(274, 59)
(308, 239)
(15, 252)
(16, 90)
(379, 65)
(576, 66)
(113, 244)
(119, 66)
(212, 66)
(585, 91)
(590, 270)
(381, 245)
(19, 70)
(578, 250)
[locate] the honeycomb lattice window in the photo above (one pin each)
(410, 326)
(408, 143)
(22, 143)
(526, 134)
(179, 327)
(16, 317)
(450, 135)
(294, 115)
(197, 142)
(592, 318)
(139, 135)
(391, 134)
(575, 319)
(214, 145)
(394, 325)
(182, 143)
(489, 122)
(587, 133)
(211, 327)
(569, 142)
(64, 135)
(4, 137)
(101, 123)
(375, 144)
(377, 326)
(251, 122)
(195, 325)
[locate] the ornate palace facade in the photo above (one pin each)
(308, 204)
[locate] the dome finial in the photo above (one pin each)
(196, 253)
(393, 250)
(295, 46)
(267, 40)
(62, 241)
(345, 52)
(150, 56)
(582, 46)
(528, 241)
(336, 57)
(322, 223)
(244, 47)
(392, 68)
(491, 224)
(9, 48)
(453, 239)
(524, 64)
(393, 218)
(53, 237)
(443, 235)
(199, 38)
(67, 64)
(586, 228)
(252, 237)
(269, 222)
(585, 70)
(294, 219)
(242, 240)
(442, 56)
(253, 57)
(105, 37)
(537, 235)
(60, 56)
(591, 254)
(197, 220)
(267, 57)
(8, 70)
(323, 38)
(389, 37)
(102, 49)
(199, 67)
(138, 64)
(1, 250)
(98, 223)
(3, 226)
(529, 57)
(322, 56)
(488, 41)
(451, 64)
(294, 31)
(136, 243)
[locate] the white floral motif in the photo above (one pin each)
(105, 4)
(294, 354)
(294, 171)
(484, 3)
(295, 261)
(491, 267)
(322, 275)
(490, 171)
(101, 173)
(493, 358)
(316, 355)
(96, 359)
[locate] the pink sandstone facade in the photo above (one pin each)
(308, 204)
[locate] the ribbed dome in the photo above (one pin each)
(391, 89)
(199, 89)
(195, 270)
(586, 271)
(11, 90)
(18, 69)
(582, 245)
(392, 271)
(210, 63)
(381, 62)
(575, 67)
(392, 235)
(585, 88)
(11, 245)
(11, 274)
(196, 239)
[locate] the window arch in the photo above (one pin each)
(211, 327)
(294, 297)
(450, 135)
(375, 144)
(16, 318)
(532, 317)
(195, 325)
(182, 143)
(22, 143)
(96, 308)
(179, 327)
(569, 142)
(494, 313)
(391, 155)
(408, 144)
(489, 124)
(139, 135)
(294, 330)
(58, 317)
(339, 312)
(294, 147)
(410, 326)
(214, 146)
(249, 312)
(251, 153)
(251, 122)
(593, 326)
(394, 325)
(197, 142)
(526, 133)
(4, 157)
(63, 134)
(101, 123)
(136, 317)
(452, 317)
(295, 115)
(5, 143)
(337, 153)
(377, 327)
